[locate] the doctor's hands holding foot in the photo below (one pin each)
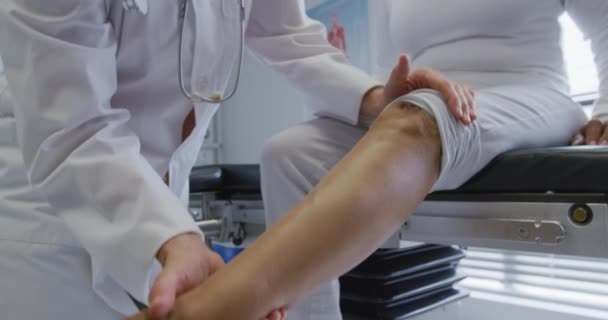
(187, 263)
(459, 98)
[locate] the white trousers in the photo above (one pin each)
(509, 117)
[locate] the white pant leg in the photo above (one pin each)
(45, 281)
(292, 163)
(509, 117)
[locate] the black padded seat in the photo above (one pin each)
(230, 178)
(560, 170)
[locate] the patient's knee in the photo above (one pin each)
(404, 120)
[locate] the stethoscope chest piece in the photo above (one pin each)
(139, 6)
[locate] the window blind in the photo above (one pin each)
(572, 285)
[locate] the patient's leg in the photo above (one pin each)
(362, 200)
(293, 162)
(367, 196)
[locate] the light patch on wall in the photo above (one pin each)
(579, 58)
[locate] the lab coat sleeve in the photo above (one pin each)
(592, 18)
(282, 36)
(78, 150)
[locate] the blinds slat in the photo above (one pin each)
(538, 280)
(564, 284)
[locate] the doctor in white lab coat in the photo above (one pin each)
(96, 152)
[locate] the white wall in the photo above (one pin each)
(263, 106)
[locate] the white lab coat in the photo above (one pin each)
(98, 128)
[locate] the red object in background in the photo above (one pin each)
(336, 35)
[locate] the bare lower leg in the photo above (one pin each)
(362, 200)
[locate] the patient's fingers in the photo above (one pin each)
(593, 131)
(450, 92)
(466, 103)
(463, 104)
(459, 98)
(604, 139)
(578, 139)
(471, 96)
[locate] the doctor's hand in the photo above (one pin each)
(593, 133)
(459, 98)
(187, 262)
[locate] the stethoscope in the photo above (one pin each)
(141, 7)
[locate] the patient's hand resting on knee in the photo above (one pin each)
(459, 98)
(593, 133)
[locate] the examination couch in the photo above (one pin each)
(544, 200)
(551, 200)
